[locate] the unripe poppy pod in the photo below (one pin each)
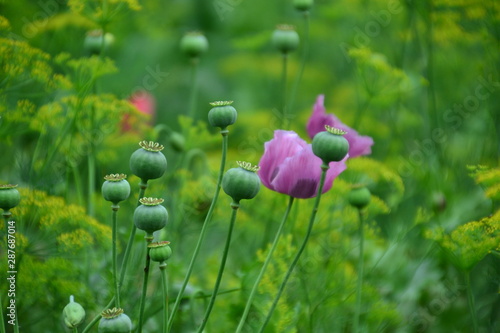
(148, 162)
(330, 145)
(242, 182)
(222, 114)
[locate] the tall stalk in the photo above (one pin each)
(164, 285)
(470, 299)
(194, 88)
(305, 55)
(264, 266)
(203, 231)
(235, 207)
(324, 168)
(116, 280)
(149, 239)
(283, 122)
(359, 285)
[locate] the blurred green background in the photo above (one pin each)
(422, 78)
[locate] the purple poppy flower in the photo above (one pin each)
(289, 166)
(358, 144)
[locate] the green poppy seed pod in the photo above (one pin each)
(9, 197)
(303, 5)
(194, 44)
(359, 197)
(330, 145)
(94, 43)
(242, 182)
(114, 321)
(73, 313)
(222, 114)
(148, 162)
(115, 188)
(150, 216)
(285, 38)
(160, 251)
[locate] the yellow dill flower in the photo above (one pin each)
(469, 243)
(4, 23)
(93, 10)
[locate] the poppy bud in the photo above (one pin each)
(73, 313)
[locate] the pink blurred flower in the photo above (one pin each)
(358, 144)
(289, 166)
(145, 103)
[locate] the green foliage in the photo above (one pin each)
(420, 77)
(54, 245)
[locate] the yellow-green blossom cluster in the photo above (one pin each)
(489, 178)
(53, 224)
(469, 243)
(101, 12)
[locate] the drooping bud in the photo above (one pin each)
(150, 216)
(73, 313)
(148, 162)
(114, 321)
(330, 145)
(359, 197)
(242, 182)
(222, 114)
(9, 197)
(115, 188)
(285, 38)
(194, 44)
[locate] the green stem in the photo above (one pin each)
(324, 168)
(194, 88)
(98, 317)
(2, 323)
(142, 189)
(224, 133)
(264, 267)
(305, 54)
(115, 271)
(149, 239)
(75, 329)
(143, 185)
(235, 207)
(283, 120)
(359, 285)
(470, 298)
(164, 284)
